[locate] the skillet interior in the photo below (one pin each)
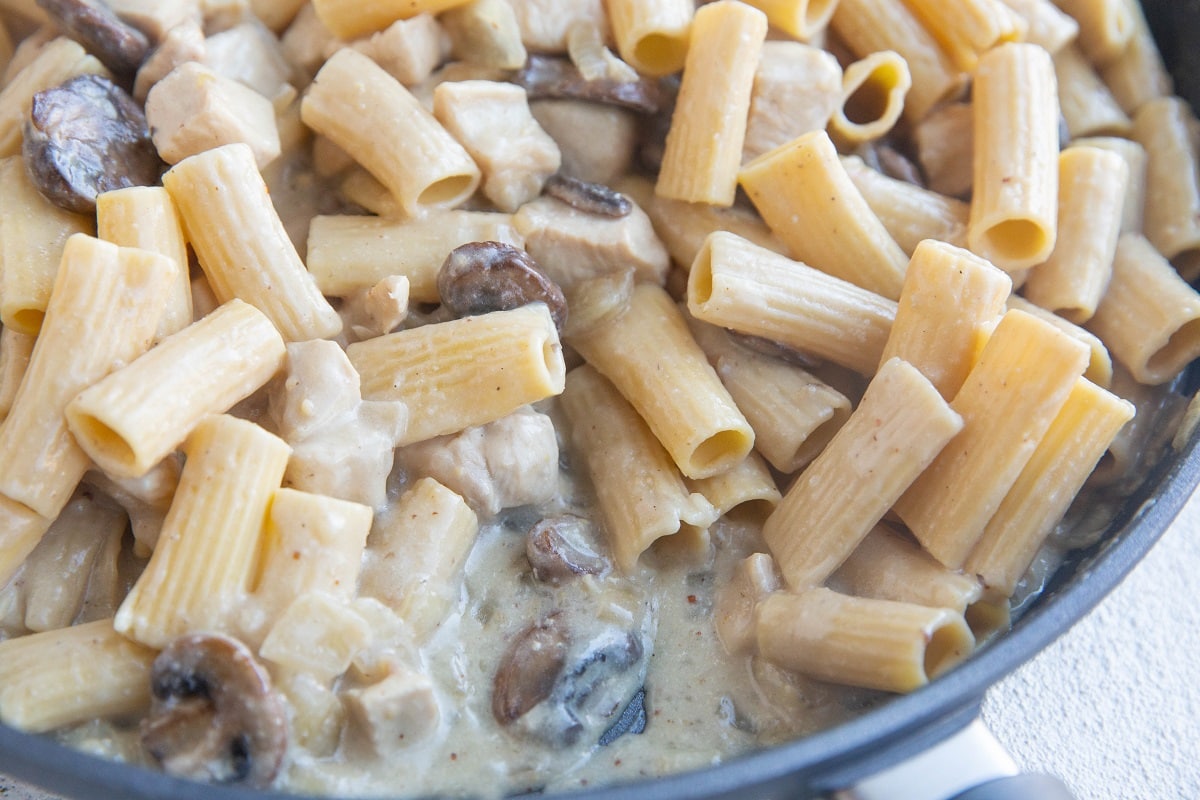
(835, 757)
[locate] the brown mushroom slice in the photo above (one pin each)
(529, 669)
(550, 77)
(214, 715)
(119, 46)
(84, 137)
(479, 277)
(559, 549)
(770, 347)
(594, 198)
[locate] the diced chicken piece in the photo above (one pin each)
(378, 310)
(193, 109)
(510, 462)
(318, 634)
(391, 644)
(736, 606)
(493, 122)
(546, 24)
(945, 141)
(597, 141)
(573, 246)
(342, 446)
(797, 88)
(251, 54)
(317, 713)
(408, 49)
(306, 42)
(156, 17)
(415, 555)
(146, 500)
(221, 15)
(183, 43)
(485, 32)
(399, 711)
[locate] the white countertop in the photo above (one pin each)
(1113, 707)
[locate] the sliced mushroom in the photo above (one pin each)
(479, 277)
(549, 77)
(594, 198)
(770, 347)
(119, 46)
(84, 137)
(214, 715)
(558, 549)
(529, 669)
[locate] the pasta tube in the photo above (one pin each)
(1167, 130)
(132, 419)
(1014, 208)
(736, 284)
(708, 127)
(1009, 399)
(701, 427)
(103, 312)
(805, 20)
(900, 425)
(653, 37)
(877, 644)
(873, 92)
(968, 28)
(809, 202)
(350, 19)
(466, 372)
(242, 245)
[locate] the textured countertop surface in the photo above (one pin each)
(1113, 707)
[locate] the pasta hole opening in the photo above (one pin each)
(556, 367)
(448, 191)
(988, 617)
(28, 321)
(948, 644)
(1180, 350)
(817, 14)
(104, 439)
(1017, 240)
(700, 279)
(871, 99)
(720, 450)
(660, 54)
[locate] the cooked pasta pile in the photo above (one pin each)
(495, 395)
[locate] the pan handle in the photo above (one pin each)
(968, 765)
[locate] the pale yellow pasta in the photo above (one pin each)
(242, 245)
(739, 285)
(950, 302)
(910, 213)
(873, 92)
(968, 28)
(1100, 365)
(347, 254)
(203, 566)
(348, 19)
(103, 312)
(793, 413)
(414, 560)
(805, 20)
(1137, 75)
(146, 217)
(361, 188)
(1087, 106)
(748, 484)
(58, 61)
(1149, 317)
(1170, 135)
(58, 678)
(369, 114)
(877, 644)
(641, 495)
(870, 26)
(809, 202)
(1091, 200)
(1045, 24)
(465, 372)
(21, 528)
(1135, 159)
(701, 428)
(136, 416)
(898, 428)
(1009, 399)
(1105, 27)
(708, 126)
(32, 234)
(1065, 457)
(1014, 207)
(486, 33)
(653, 36)
(15, 349)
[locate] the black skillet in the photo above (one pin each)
(897, 731)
